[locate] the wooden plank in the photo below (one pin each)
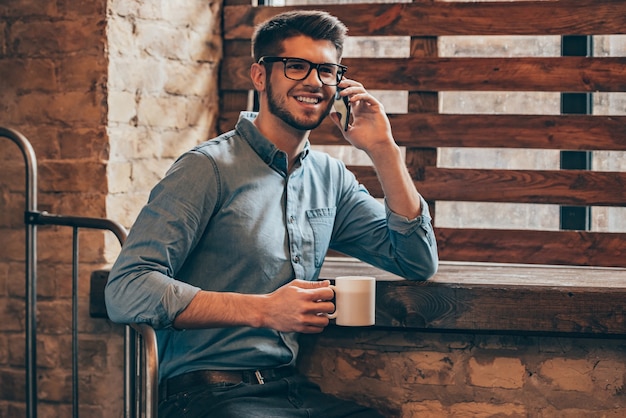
(563, 187)
(235, 73)
(233, 102)
(500, 308)
(554, 74)
(97, 305)
(418, 102)
(571, 17)
(228, 3)
(551, 74)
(238, 47)
(579, 248)
(561, 132)
(481, 297)
(228, 120)
(559, 187)
(497, 297)
(425, 130)
(570, 74)
(498, 274)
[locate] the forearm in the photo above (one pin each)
(145, 296)
(400, 193)
(221, 309)
(295, 307)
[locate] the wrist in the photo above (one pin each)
(257, 317)
(384, 152)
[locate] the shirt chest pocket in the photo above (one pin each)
(321, 221)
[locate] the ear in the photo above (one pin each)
(258, 76)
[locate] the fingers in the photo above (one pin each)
(300, 306)
(354, 90)
(318, 319)
(314, 329)
(317, 290)
(350, 86)
(308, 284)
(314, 316)
(361, 101)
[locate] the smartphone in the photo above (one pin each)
(342, 106)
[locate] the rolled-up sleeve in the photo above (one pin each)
(414, 241)
(370, 231)
(142, 287)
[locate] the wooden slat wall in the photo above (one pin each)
(423, 129)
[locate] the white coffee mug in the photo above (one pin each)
(355, 301)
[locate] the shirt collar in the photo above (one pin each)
(261, 145)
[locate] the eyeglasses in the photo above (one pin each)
(298, 69)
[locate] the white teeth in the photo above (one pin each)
(311, 100)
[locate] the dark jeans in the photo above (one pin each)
(290, 397)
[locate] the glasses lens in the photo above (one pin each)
(329, 74)
(298, 69)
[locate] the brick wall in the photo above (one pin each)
(162, 89)
(108, 93)
(53, 72)
(424, 374)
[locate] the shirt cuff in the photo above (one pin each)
(176, 298)
(404, 225)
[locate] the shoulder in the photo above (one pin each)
(323, 159)
(215, 145)
(328, 165)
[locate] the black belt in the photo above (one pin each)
(187, 381)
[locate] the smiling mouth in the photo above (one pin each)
(309, 100)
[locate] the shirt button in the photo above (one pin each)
(296, 259)
(292, 219)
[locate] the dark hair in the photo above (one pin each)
(269, 36)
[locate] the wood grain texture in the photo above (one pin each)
(563, 187)
(97, 305)
(422, 131)
(578, 248)
(573, 17)
(482, 297)
(498, 297)
(559, 132)
(553, 74)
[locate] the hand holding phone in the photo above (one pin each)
(342, 106)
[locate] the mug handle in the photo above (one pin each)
(332, 315)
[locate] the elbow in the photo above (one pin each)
(424, 269)
(430, 263)
(113, 305)
(419, 258)
(118, 304)
(431, 269)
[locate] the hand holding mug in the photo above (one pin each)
(355, 301)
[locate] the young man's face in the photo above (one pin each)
(303, 104)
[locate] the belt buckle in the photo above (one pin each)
(259, 377)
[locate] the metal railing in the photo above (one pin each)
(140, 376)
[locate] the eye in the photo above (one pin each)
(296, 65)
(328, 69)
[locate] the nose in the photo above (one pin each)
(314, 78)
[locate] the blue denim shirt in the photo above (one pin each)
(228, 216)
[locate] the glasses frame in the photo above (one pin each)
(340, 72)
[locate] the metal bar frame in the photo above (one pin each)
(31, 268)
(136, 336)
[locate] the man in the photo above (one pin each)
(224, 259)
